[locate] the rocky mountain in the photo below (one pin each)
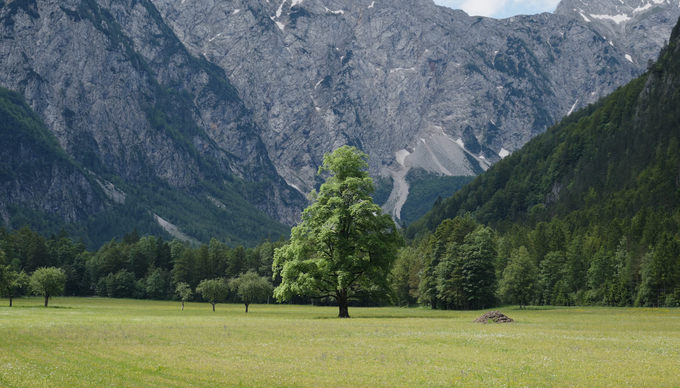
(413, 84)
(130, 104)
(34, 170)
(222, 110)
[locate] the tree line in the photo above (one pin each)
(465, 265)
(345, 249)
(462, 265)
(136, 267)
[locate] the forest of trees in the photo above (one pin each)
(136, 267)
(462, 265)
(465, 265)
(590, 209)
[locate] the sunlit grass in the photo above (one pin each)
(105, 342)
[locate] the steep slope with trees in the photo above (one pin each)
(594, 200)
(43, 186)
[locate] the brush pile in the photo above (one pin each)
(493, 317)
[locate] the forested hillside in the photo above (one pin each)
(593, 202)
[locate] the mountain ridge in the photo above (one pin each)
(100, 96)
(238, 101)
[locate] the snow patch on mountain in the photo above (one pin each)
(618, 19)
(503, 153)
(401, 156)
(572, 108)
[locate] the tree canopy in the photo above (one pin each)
(519, 281)
(344, 246)
(11, 282)
(48, 282)
(251, 287)
(184, 293)
(213, 291)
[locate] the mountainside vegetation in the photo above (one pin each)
(425, 189)
(593, 202)
(141, 129)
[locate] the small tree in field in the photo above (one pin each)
(184, 292)
(214, 291)
(251, 287)
(11, 282)
(345, 246)
(48, 282)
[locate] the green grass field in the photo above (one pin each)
(116, 342)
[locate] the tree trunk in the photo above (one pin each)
(10, 301)
(342, 303)
(182, 305)
(46, 298)
(213, 306)
(433, 303)
(246, 308)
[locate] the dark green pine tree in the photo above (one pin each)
(449, 232)
(479, 276)
(184, 270)
(237, 262)
(163, 258)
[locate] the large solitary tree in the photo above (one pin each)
(344, 246)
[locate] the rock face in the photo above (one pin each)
(411, 83)
(34, 173)
(125, 98)
(232, 93)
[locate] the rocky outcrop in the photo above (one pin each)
(396, 77)
(124, 97)
(35, 173)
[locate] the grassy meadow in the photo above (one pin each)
(119, 342)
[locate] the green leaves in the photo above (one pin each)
(183, 291)
(48, 282)
(11, 281)
(520, 278)
(344, 246)
(213, 290)
(251, 287)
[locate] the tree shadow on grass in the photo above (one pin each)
(386, 316)
(38, 306)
